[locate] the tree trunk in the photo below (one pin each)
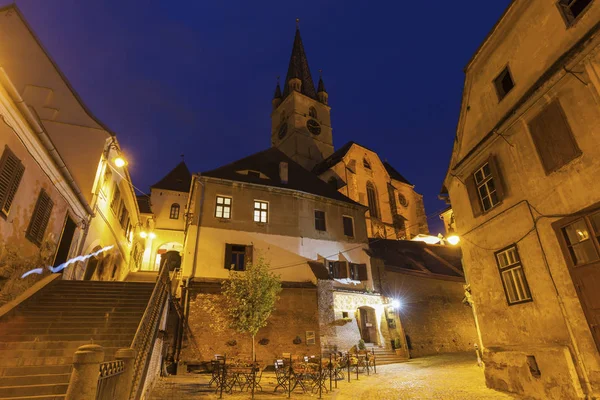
(253, 349)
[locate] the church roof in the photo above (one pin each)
(298, 68)
(395, 174)
(179, 179)
(143, 201)
(264, 170)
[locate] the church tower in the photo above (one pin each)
(300, 120)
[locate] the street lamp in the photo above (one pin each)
(453, 240)
(120, 161)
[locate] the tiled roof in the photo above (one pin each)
(298, 68)
(395, 174)
(267, 164)
(407, 255)
(333, 159)
(144, 204)
(179, 179)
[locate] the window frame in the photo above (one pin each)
(344, 217)
(28, 234)
(571, 20)
(559, 225)
(174, 206)
(260, 210)
(367, 164)
(485, 181)
(497, 81)
(312, 112)
(516, 265)
(14, 179)
(223, 206)
(376, 215)
(324, 221)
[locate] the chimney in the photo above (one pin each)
(283, 172)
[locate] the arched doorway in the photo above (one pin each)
(367, 323)
(163, 249)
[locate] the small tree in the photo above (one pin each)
(250, 298)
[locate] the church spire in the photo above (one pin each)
(277, 96)
(298, 71)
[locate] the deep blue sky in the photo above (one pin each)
(197, 76)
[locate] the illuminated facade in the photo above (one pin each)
(523, 184)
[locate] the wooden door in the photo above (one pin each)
(364, 329)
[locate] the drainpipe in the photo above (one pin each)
(45, 139)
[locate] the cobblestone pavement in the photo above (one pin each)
(445, 377)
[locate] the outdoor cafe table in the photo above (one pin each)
(242, 376)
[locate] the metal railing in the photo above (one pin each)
(108, 379)
(145, 336)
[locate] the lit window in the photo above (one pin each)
(503, 83)
(261, 211)
(223, 209)
(174, 211)
(320, 220)
(513, 276)
(579, 240)
(348, 226)
(486, 188)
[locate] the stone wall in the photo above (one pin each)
(296, 313)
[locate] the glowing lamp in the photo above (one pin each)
(396, 304)
(453, 240)
(120, 162)
(143, 235)
(152, 235)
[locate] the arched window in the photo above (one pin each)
(372, 199)
(333, 182)
(312, 112)
(174, 211)
(366, 163)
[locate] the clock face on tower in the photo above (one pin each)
(313, 127)
(282, 130)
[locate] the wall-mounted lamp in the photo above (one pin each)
(152, 235)
(453, 240)
(396, 304)
(143, 235)
(120, 162)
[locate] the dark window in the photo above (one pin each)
(237, 257)
(254, 174)
(571, 9)
(333, 182)
(66, 239)
(553, 138)
(261, 211)
(223, 209)
(485, 187)
(503, 83)
(11, 172)
(344, 314)
(372, 200)
(320, 221)
(348, 226)
(513, 276)
(123, 216)
(39, 219)
(174, 211)
(358, 272)
(366, 163)
(533, 366)
(116, 199)
(339, 269)
(312, 112)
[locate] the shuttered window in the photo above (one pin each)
(40, 218)
(320, 224)
(238, 257)
(358, 272)
(11, 172)
(553, 138)
(340, 269)
(485, 187)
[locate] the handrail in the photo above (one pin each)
(147, 330)
(107, 379)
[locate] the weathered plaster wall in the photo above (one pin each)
(296, 312)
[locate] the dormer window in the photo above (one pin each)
(312, 112)
(366, 163)
(503, 83)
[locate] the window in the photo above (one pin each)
(358, 272)
(553, 138)
(372, 200)
(174, 211)
(503, 83)
(237, 257)
(366, 163)
(11, 172)
(338, 269)
(486, 187)
(261, 211)
(320, 220)
(571, 9)
(123, 215)
(223, 209)
(579, 240)
(513, 276)
(39, 219)
(312, 112)
(344, 314)
(116, 199)
(348, 226)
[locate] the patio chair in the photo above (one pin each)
(282, 375)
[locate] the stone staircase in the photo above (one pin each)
(385, 356)
(39, 338)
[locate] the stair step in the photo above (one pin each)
(66, 337)
(53, 324)
(68, 345)
(28, 380)
(37, 353)
(42, 397)
(33, 390)
(71, 329)
(35, 370)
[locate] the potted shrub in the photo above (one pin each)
(361, 345)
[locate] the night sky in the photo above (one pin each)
(197, 76)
